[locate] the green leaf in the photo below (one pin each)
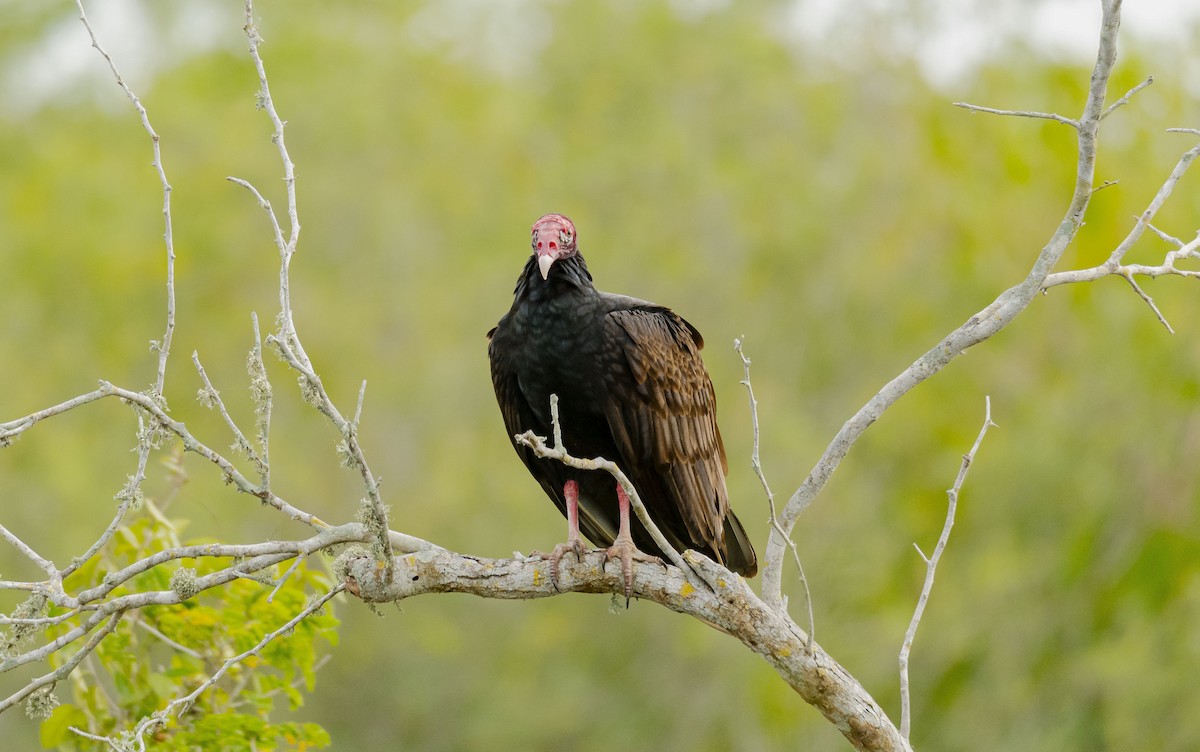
(56, 730)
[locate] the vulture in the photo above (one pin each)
(631, 388)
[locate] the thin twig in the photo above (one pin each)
(558, 440)
(1125, 99)
(1160, 198)
(1168, 238)
(284, 578)
(41, 621)
(362, 393)
(539, 447)
(288, 248)
(43, 563)
(163, 347)
(175, 645)
(756, 464)
(133, 488)
(1128, 275)
(931, 563)
(1020, 113)
(67, 667)
(280, 242)
(127, 495)
(321, 400)
(260, 389)
(210, 393)
(14, 428)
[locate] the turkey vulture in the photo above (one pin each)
(631, 388)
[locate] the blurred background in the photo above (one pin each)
(789, 171)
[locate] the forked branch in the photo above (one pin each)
(987, 322)
(931, 563)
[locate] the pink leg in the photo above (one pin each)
(571, 492)
(623, 514)
(574, 543)
(623, 547)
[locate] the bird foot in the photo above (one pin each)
(627, 553)
(555, 556)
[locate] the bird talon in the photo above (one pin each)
(555, 556)
(627, 552)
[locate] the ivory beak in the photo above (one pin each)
(544, 263)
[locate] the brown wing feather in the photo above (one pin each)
(662, 413)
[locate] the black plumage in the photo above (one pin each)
(631, 387)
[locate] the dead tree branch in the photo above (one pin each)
(931, 563)
(978, 328)
(731, 607)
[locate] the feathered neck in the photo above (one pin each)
(567, 275)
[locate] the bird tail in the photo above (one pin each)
(739, 552)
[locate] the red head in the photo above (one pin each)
(553, 238)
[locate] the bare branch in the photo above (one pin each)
(756, 464)
(163, 347)
(558, 440)
(1128, 275)
(931, 563)
(351, 532)
(68, 666)
(997, 315)
(288, 341)
(1125, 99)
(1020, 113)
(260, 389)
(132, 489)
(1143, 222)
(280, 242)
(127, 497)
(41, 621)
(192, 444)
(1168, 238)
(284, 578)
(141, 624)
(731, 606)
(1186, 251)
(131, 601)
(288, 248)
(362, 393)
(14, 428)
(1160, 198)
(314, 392)
(44, 564)
(209, 396)
(18, 585)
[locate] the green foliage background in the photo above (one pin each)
(826, 202)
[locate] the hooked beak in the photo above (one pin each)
(545, 261)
